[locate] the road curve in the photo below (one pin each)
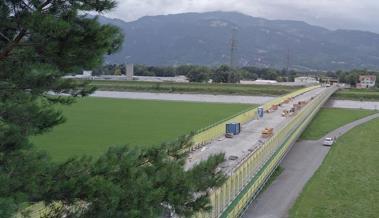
(299, 165)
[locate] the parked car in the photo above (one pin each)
(328, 142)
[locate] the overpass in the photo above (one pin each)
(251, 158)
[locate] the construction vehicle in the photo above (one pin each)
(267, 132)
(287, 101)
(274, 107)
(285, 113)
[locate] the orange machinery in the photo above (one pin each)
(267, 132)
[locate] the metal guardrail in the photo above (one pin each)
(234, 195)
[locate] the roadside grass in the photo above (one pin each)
(232, 89)
(94, 124)
(329, 119)
(347, 183)
(272, 178)
(358, 94)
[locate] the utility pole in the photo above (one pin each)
(288, 60)
(233, 47)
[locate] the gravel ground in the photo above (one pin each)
(299, 165)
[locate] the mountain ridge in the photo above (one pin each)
(204, 39)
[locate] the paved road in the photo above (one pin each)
(370, 105)
(224, 99)
(185, 97)
(299, 165)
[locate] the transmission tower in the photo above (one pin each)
(233, 47)
(288, 59)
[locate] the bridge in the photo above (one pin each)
(251, 158)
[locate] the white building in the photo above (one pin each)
(129, 71)
(305, 79)
(366, 81)
(258, 82)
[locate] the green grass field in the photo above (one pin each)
(347, 183)
(233, 89)
(358, 94)
(329, 119)
(94, 124)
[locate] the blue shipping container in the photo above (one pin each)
(233, 128)
(260, 112)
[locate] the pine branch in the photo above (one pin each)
(11, 45)
(5, 37)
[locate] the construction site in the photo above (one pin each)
(253, 134)
(255, 147)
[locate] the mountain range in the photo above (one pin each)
(209, 38)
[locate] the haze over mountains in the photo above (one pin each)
(205, 38)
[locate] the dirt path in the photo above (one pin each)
(299, 165)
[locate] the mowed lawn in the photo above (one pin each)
(347, 183)
(329, 119)
(358, 94)
(94, 124)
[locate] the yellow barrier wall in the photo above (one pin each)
(233, 196)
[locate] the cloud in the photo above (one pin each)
(347, 14)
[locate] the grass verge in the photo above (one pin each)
(347, 183)
(272, 178)
(94, 124)
(234, 89)
(329, 119)
(358, 94)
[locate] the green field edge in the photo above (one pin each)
(194, 88)
(301, 196)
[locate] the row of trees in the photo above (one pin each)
(41, 41)
(352, 77)
(225, 74)
(221, 74)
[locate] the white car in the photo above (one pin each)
(328, 142)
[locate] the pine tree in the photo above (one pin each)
(41, 41)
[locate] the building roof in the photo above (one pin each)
(370, 77)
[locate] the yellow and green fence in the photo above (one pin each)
(245, 182)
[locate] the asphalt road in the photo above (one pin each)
(369, 105)
(299, 165)
(224, 99)
(185, 97)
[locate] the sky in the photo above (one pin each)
(332, 14)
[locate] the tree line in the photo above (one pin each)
(352, 77)
(226, 74)
(195, 73)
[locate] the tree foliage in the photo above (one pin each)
(41, 41)
(127, 182)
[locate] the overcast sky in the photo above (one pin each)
(333, 14)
